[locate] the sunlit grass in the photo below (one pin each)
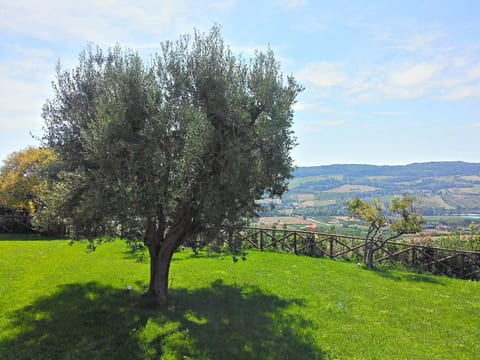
(60, 301)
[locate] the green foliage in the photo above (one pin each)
(474, 237)
(385, 226)
(67, 303)
(401, 218)
(199, 131)
(460, 239)
(23, 179)
(170, 151)
(406, 219)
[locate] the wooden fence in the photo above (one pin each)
(455, 263)
(15, 223)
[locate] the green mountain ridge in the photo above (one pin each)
(441, 168)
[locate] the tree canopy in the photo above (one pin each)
(171, 150)
(384, 226)
(23, 179)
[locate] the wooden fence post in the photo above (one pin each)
(462, 264)
(295, 243)
(330, 250)
(311, 244)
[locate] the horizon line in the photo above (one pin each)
(391, 164)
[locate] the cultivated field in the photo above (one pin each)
(279, 220)
(352, 189)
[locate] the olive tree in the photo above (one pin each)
(172, 148)
(384, 226)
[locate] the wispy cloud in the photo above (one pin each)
(223, 5)
(294, 3)
(26, 74)
(410, 61)
(390, 113)
(322, 125)
(395, 81)
(413, 75)
(38, 33)
(94, 20)
(463, 92)
(313, 108)
(423, 40)
(323, 74)
(407, 80)
(248, 50)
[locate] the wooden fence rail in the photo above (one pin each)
(15, 223)
(455, 263)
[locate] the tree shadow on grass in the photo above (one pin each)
(28, 237)
(80, 321)
(229, 322)
(94, 321)
(408, 276)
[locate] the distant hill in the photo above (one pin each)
(441, 188)
(430, 169)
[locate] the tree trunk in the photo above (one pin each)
(160, 265)
(368, 256)
(152, 243)
(152, 250)
(161, 248)
(160, 276)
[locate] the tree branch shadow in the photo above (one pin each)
(245, 322)
(95, 321)
(80, 321)
(408, 276)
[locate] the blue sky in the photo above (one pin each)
(390, 82)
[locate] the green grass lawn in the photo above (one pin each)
(61, 302)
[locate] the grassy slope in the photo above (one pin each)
(57, 301)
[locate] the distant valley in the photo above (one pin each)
(441, 188)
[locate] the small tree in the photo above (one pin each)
(23, 179)
(385, 226)
(474, 237)
(171, 151)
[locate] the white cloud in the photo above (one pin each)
(413, 75)
(223, 5)
(323, 74)
(402, 93)
(402, 81)
(423, 42)
(295, 3)
(103, 22)
(322, 125)
(390, 113)
(406, 80)
(248, 51)
(463, 92)
(20, 103)
(363, 87)
(422, 61)
(312, 108)
(26, 76)
(27, 70)
(474, 73)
